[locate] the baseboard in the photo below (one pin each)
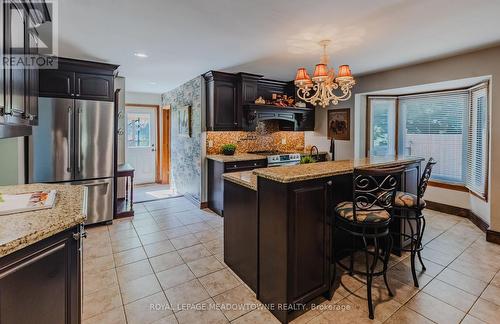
(493, 236)
(479, 222)
(192, 199)
(204, 205)
(462, 212)
(448, 209)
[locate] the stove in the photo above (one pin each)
(275, 158)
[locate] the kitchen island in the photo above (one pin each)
(40, 258)
(291, 226)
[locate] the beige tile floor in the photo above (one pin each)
(146, 269)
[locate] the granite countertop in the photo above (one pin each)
(245, 178)
(301, 172)
(22, 229)
(235, 158)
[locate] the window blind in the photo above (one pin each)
(478, 141)
(432, 125)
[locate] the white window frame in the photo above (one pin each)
(468, 129)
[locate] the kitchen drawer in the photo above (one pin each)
(244, 165)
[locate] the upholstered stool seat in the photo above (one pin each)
(408, 200)
(373, 214)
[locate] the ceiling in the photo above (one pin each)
(184, 38)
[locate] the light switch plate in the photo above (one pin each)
(210, 143)
(283, 141)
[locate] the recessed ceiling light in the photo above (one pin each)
(152, 83)
(141, 55)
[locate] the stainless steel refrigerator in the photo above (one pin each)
(74, 144)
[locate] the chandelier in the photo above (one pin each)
(320, 90)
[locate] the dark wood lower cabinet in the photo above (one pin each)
(216, 183)
(241, 232)
(42, 282)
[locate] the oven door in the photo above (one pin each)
(284, 163)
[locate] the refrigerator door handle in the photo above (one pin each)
(78, 143)
(70, 137)
(96, 184)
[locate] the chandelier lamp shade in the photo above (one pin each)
(319, 90)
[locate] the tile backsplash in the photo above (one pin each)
(266, 137)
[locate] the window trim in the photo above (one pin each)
(485, 84)
(368, 125)
(436, 182)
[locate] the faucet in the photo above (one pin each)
(317, 151)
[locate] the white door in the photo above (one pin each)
(141, 143)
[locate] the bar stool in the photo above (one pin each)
(368, 217)
(409, 208)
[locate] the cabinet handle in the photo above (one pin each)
(78, 236)
(79, 87)
(69, 86)
(329, 183)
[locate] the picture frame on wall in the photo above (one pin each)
(184, 121)
(339, 124)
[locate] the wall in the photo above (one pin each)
(343, 149)
(480, 63)
(186, 152)
(12, 161)
(142, 98)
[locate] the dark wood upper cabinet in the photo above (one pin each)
(2, 71)
(55, 83)
(18, 81)
(15, 37)
(230, 103)
(79, 80)
(222, 108)
(248, 87)
(94, 86)
(32, 79)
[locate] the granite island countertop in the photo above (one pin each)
(244, 178)
(236, 157)
(301, 172)
(23, 229)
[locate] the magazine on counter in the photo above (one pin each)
(27, 201)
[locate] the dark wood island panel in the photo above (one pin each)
(294, 243)
(241, 232)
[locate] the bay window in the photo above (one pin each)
(451, 126)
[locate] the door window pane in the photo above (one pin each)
(138, 130)
(433, 126)
(382, 127)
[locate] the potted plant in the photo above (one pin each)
(307, 159)
(228, 149)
